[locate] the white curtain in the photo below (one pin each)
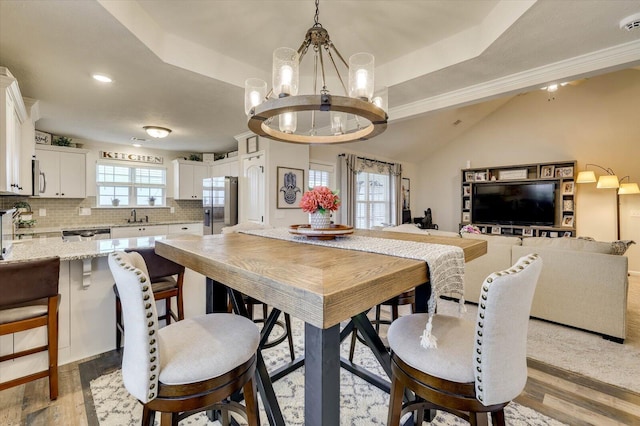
(347, 176)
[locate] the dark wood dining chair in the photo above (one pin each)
(477, 367)
(29, 299)
(405, 298)
(165, 287)
(189, 366)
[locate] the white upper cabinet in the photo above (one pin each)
(12, 115)
(187, 179)
(62, 172)
(225, 167)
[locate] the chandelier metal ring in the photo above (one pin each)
(274, 107)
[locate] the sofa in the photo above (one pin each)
(583, 283)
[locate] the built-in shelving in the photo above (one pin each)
(562, 172)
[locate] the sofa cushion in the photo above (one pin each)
(413, 229)
(570, 244)
(494, 239)
(620, 247)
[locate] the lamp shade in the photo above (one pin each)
(587, 176)
(608, 181)
(629, 188)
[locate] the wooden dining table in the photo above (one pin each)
(322, 286)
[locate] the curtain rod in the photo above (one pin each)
(370, 159)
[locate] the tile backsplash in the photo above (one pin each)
(65, 212)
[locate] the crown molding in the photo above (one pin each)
(586, 65)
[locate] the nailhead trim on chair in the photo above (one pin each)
(481, 313)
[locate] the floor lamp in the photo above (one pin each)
(610, 181)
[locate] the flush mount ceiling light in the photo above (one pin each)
(102, 78)
(275, 114)
(157, 132)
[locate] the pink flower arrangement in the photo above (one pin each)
(319, 199)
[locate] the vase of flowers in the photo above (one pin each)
(319, 203)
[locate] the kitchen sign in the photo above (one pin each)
(139, 158)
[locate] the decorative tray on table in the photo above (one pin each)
(321, 233)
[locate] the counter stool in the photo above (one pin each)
(186, 367)
(406, 298)
(29, 299)
(250, 302)
(163, 284)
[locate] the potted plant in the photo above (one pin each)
(152, 201)
(63, 141)
(115, 202)
(319, 203)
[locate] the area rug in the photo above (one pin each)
(361, 403)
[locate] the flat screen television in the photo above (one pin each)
(517, 203)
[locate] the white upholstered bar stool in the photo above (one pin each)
(185, 367)
(478, 367)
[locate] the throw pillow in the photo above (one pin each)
(620, 247)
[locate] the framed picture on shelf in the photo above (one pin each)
(290, 187)
(496, 230)
(547, 171)
(543, 233)
(252, 144)
(527, 232)
(43, 138)
(553, 234)
(468, 176)
(567, 220)
(466, 217)
(567, 234)
(480, 176)
(567, 188)
(466, 190)
(567, 205)
(564, 172)
(467, 204)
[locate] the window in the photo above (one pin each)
(132, 186)
(320, 174)
(373, 200)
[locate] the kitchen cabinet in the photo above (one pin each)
(187, 179)
(141, 230)
(63, 172)
(225, 167)
(186, 228)
(12, 114)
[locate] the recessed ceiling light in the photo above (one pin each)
(102, 78)
(137, 145)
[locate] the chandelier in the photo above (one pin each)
(329, 118)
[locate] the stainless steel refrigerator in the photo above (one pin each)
(219, 203)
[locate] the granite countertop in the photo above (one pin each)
(75, 250)
(44, 230)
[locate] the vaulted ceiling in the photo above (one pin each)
(183, 64)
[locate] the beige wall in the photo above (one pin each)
(597, 122)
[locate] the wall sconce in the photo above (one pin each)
(609, 181)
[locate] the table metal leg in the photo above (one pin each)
(322, 376)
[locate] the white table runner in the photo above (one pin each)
(445, 263)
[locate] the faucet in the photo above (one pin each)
(133, 213)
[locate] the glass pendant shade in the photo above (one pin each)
(288, 122)
(629, 188)
(285, 72)
(587, 176)
(608, 181)
(381, 98)
(361, 76)
(338, 122)
(255, 91)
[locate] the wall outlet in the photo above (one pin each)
(172, 210)
(85, 211)
(42, 212)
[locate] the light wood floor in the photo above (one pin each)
(562, 395)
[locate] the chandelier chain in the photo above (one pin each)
(316, 18)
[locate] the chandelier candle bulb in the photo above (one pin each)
(288, 122)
